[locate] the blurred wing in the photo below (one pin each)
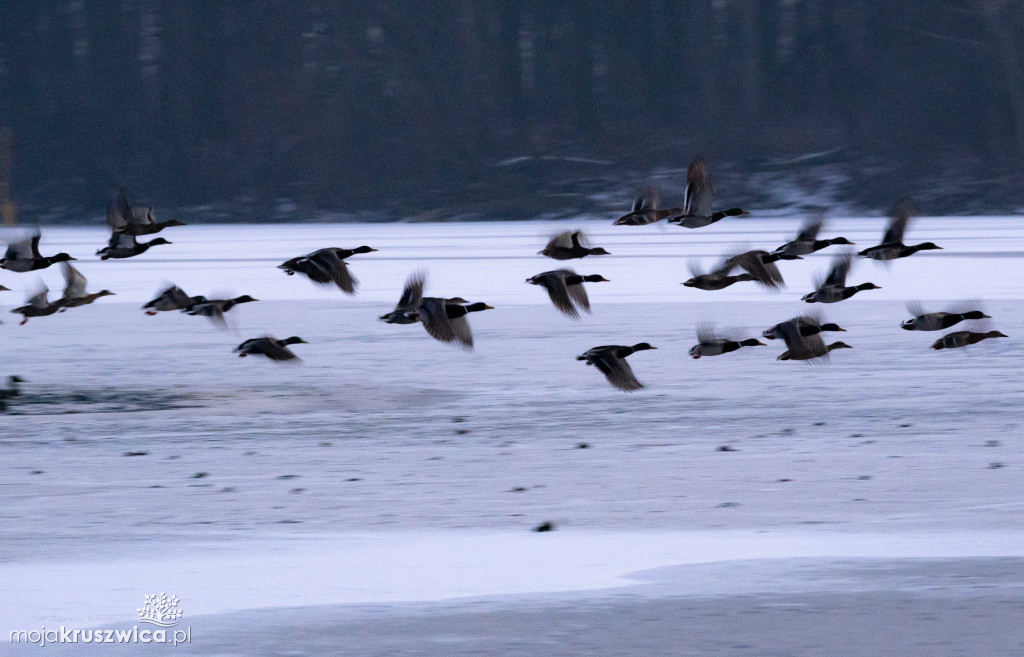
(115, 219)
(617, 371)
(766, 274)
(799, 346)
(460, 326)
(705, 332)
(579, 295)
(412, 293)
(274, 350)
(915, 308)
(840, 268)
(562, 240)
(74, 282)
(435, 319)
(811, 228)
(699, 193)
(559, 292)
(898, 223)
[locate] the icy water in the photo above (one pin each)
(137, 435)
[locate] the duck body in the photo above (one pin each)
(568, 246)
(215, 308)
(270, 347)
(565, 289)
(716, 281)
(124, 245)
(611, 361)
(719, 346)
(24, 256)
(964, 338)
(790, 354)
(941, 320)
(38, 306)
(806, 247)
(806, 325)
(326, 267)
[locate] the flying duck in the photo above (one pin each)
(808, 325)
(709, 345)
(327, 266)
(761, 265)
(270, 347)
(645, 210)
(568, 245)
(74, 290)
(937, 321)
(802, 344)
(565, 288)
(24, 256)
(807, 241)
(833, 289)
(124, 245)
(698, 198)
(173, 298)
(717, 279)
(445, 319)
(12, 389)
(892, 246)
(123, 217)
(611, 360)
(38, 306)
(215, 308)
(964, 338)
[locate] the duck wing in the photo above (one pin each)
(801, 347)
(579, 295)
(837, 274)
(898, 223)
(435, 320)
(115, 219)
(274, 350)
(26, 249)
(699, 193)
(559, 291)
(616, 370)
(765, 273)
(561, 241)
(812, 226)
(39, 300)
(705, 333)
(333, 269)
(412, 292)
(74, 282)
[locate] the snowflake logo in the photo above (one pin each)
(160, 610)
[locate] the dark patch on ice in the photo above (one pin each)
(545, 527)
(288, 476)
(60, 401)
(200, 475)
(135, 454)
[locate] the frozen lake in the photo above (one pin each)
(388, 469)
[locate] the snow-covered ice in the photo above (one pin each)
(393, 471)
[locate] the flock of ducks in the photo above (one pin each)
(445, 319)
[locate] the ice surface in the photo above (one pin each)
(144, 456)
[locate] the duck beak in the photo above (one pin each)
(486, 307)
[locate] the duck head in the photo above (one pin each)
(831, 327)
(695, 351)
(294, 340)
(909, 325)
(839, 345)
(245, 298)
(363, 249)
(642, 346)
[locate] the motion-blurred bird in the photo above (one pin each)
(172, 298)
(645, 210)
(569, 245)
(74, 290)
(892, 246)
(801, 344)
(565, 288)
(270, 347)
(123, 217)
(124, 245)
(699, 198)
(215, 308)
(611, 360)
(937, 321)
(24, 256)
(38, 306)
(710, 345)
(327, 266)
(807, 241)
(834, 289)
(808, 325)
(964, 338)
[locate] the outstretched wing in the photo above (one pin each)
(811, 228)
(616, 370)
(898, 223)
(801, 347)
(412, 292)
(699, 193)
(560, 292)
(765, 273)
(435, 320)
(74, 282)
(840, 268)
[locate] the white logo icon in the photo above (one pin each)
(162, 610)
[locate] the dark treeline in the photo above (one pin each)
(256, 109)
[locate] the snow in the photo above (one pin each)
(389, 469)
